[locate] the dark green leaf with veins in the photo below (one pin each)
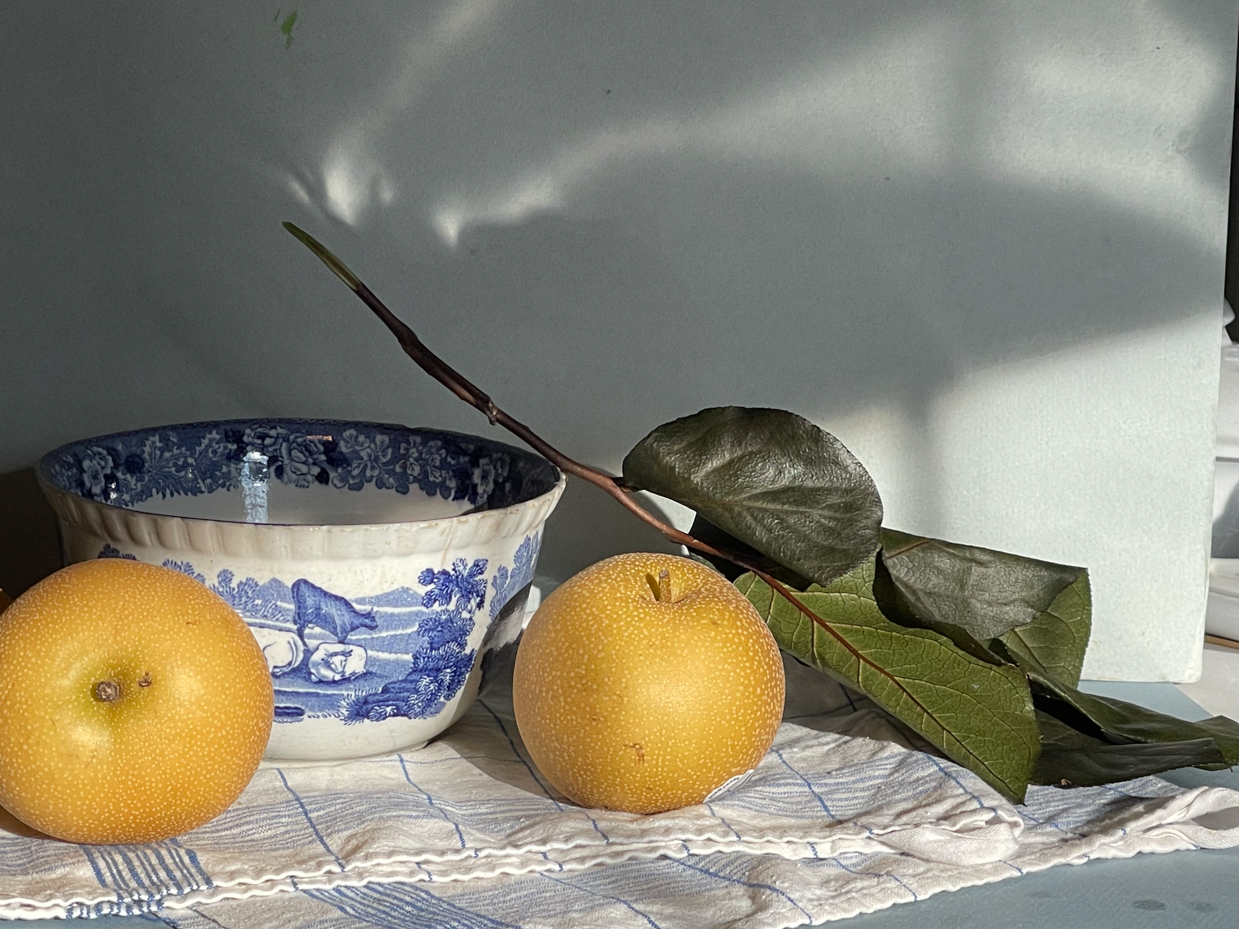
(1118, 722)
(1070, 758)
(770, 478)
(1057, 638)
(984, 592)
(980, 715)
(712, 535)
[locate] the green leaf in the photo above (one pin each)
(895, 607)
(1071, 759)
(1057, 638)
(1099, 721)
(771, 479)
(711, 534)
(984, 592)
(980, 715)
(1120, 722)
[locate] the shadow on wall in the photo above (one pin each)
(605, 217)
(29, 544)
(824, 202)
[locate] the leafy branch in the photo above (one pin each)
(445, 374)
(978, 651)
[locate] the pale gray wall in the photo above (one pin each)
(981, 241)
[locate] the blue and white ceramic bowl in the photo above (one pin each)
(378, 566)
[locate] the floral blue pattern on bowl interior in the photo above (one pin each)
(129, 468)
(378, 626)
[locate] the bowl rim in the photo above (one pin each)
(45, 481)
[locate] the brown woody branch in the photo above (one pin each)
(450, 378)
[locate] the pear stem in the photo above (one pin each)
(107, 691)
(664, 586)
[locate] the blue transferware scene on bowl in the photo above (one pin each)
(379, 567)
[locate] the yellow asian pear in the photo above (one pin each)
(135, 704)
(645, 683)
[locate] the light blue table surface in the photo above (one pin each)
(1184, 890)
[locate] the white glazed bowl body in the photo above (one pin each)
(391, 565)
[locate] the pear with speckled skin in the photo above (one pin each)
(135, 704)
(645, 683)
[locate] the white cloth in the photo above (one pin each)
(465, 832)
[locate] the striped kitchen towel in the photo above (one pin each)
(837, 820)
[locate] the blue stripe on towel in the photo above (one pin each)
(844, 867)
(805, 781)
(208, 883)
(528, 767)
(430, 800)
(166, 867)
(402, 906)
(595, 893)
(701, 869)
(113, 879)
(724, 821)
(310, 820)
